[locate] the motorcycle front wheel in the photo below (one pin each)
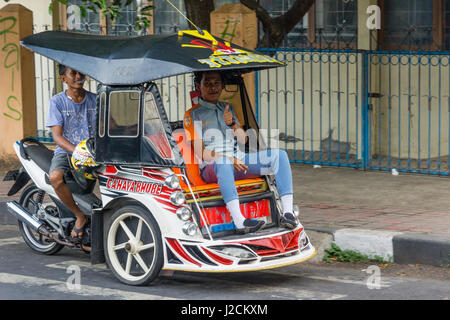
(30, 199)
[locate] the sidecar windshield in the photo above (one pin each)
(154, 133)
(124, 121)
(136, 129)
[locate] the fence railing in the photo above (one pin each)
(409, 111)
(354, 108)
(315, 102)
(336, 106)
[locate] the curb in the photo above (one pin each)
(422, 249)
(398, 247)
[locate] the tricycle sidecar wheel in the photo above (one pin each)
(30, 199)
(133, 246)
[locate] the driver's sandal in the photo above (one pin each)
(79, 234)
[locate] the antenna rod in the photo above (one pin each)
(198, 29)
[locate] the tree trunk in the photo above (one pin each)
(276, 29)
(198, 11)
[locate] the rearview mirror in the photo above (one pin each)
(231, 88)
(133, 95)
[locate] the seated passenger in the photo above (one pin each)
(212, 128)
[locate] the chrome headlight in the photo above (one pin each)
(172, 181)
(235, 252)
(177, 198)
(189, 228)
(303, 240)
(296, 210)
(184, 213)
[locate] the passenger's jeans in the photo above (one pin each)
(271, 161)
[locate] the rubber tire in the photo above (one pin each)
(158, 260)
(47, 251)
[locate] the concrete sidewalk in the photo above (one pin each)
(405, 218)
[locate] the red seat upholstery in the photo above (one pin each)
(187, 151)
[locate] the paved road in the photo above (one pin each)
(28, 275)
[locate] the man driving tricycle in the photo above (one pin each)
(223, 161)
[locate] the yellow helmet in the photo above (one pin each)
(82, 160)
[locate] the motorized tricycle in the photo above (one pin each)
(154, 211)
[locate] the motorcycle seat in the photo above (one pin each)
(41, 155)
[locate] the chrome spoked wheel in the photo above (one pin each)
(31, 198)
(133, 246)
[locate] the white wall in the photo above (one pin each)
(281, 106)
(44, 68)
(41, 16)
(302, 100)
(44, 74)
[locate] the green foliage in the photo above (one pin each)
(448, 264)
(336, 254)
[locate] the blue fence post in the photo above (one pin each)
(365, 152)
(257, 97)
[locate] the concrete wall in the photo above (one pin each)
(17, 85)
(41, 16)
(333, 79)
(44, 68)
(406, 84)
(414, 106)
(314, 93)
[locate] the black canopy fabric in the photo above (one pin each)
(119, 60)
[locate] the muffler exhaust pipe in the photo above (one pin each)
(23, 215)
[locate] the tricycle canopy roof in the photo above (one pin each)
(125, 60)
